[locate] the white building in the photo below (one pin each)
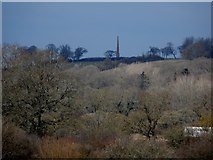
(196, 131)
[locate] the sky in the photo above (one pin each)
(95, 26)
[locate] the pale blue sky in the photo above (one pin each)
(96, 25)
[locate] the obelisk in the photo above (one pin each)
(118, 48)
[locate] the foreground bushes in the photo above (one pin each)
(61, 148)
(126, 148)
(196, 148)
(16, 143)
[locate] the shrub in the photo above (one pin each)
(108, 64)
(16, 143)
(206, 120)
(100, 128)
(197, 148)
(126, 148)
(175, 136)
(145, 82)
(61, 148)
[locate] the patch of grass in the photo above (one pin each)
(61, 148)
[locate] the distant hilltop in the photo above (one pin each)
(126, 60)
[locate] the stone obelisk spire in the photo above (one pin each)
(118, 48)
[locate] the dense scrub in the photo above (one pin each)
(71, 110)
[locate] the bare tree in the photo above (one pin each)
(53, 50)
(169, 50)
(193, 48)
(109, 53)
(152, 105)
(66, 52)
(79, 52)
(154, 50)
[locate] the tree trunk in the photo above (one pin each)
(39, 126)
